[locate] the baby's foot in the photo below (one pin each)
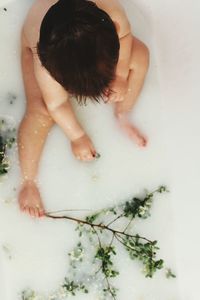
(133, 132)
(30, 199)
(83, 148)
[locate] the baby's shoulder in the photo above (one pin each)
(36, 13)
(110, 5)
(117, 13)
(33, 20)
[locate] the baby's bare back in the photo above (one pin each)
(31, 28)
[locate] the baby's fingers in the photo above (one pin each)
(93, 150)
(111, 98)
(115, 98)
(88, 157)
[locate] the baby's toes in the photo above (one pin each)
(41, 212)
(26, 210)
(21, 205)
(36, 212)
(32, 211)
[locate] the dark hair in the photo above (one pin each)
(79, 47)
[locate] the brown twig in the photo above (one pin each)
(120, 216)
(109, 288)
(113, 235)
(129, 223)
(64, 210)
(102, 226)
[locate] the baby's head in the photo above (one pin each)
(79, 46)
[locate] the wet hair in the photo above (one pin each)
(79, 47)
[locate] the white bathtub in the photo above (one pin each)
(168, 111)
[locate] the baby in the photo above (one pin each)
(81, 48)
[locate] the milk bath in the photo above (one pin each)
(33, 253)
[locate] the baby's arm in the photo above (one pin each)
(32, 135)
(57, 102)
(60, 109)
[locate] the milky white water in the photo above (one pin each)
(33, 253)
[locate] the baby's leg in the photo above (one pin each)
(138, 69)
(32, 134)
(31, 138)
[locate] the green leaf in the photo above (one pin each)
(170, 274)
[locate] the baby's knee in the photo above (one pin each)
(41, 115)
(146, 57)
(140, 57)
(37, 107)
(143, 60)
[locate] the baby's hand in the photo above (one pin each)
(83, 148)
(30, 199)
(119, 89)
